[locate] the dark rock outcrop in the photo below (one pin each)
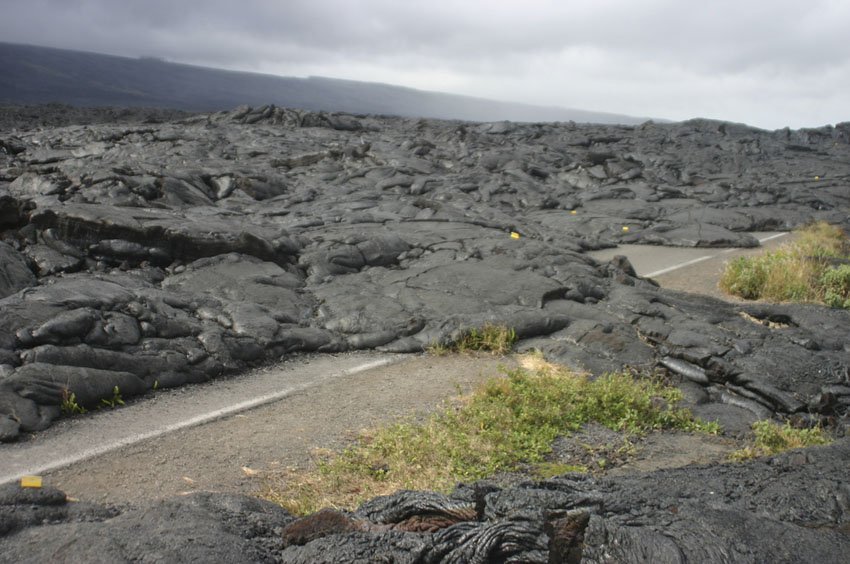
(155, 254)
(15, 275)
(791, 508)
(138, 255)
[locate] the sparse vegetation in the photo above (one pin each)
(507, 422)
(772, 438)
(496, 339)
(812, 269)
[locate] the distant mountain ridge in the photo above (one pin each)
(38, 75)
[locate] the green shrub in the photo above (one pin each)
(744, 277)
(800, 272)
(836, 284)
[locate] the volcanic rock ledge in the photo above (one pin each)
(791, 508)
(147, 255)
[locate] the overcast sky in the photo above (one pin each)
(770, 63)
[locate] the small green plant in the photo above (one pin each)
(772, 438)
(506, 424)
(69, 405)
(496, 339)
(114, 401)
(800, 272)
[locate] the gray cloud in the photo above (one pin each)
(769, 63)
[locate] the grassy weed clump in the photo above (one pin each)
(822, 240)
(496, 339)
(772, 438)
(506, 422)
(808, 270)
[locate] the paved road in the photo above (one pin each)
(77, 439)
(236, 435)
(694, 270)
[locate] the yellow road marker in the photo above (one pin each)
(31, 482)
(514, 235)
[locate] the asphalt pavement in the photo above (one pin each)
(695, 270)
(80, 438)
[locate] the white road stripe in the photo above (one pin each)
(678, 266)
(777, 236)
(706, 257)
(191, 422)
